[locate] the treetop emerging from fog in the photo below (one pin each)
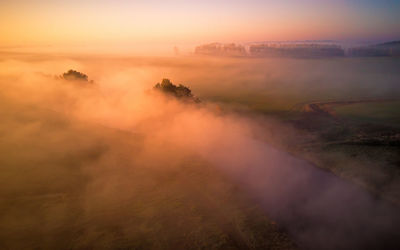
(73, 75)
(180, 91)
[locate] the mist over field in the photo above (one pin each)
(115, 164)
(175, 124)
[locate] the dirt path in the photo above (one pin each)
(328, 108)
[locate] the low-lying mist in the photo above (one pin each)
(118, 164)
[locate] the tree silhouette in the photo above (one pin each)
(73, 75)
(180, 91)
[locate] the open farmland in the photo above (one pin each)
(104, 159)
(386, 113)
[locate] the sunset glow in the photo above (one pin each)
(123, 23)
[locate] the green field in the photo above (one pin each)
(387, 113)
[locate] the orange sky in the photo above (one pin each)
(123, 23)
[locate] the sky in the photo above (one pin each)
(125, 23)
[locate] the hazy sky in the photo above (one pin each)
(122, 22)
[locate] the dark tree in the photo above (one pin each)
(180, 91)
(73, 75)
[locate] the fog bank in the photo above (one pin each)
(120, 144)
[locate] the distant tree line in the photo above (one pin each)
(218, 49)
(302, 50)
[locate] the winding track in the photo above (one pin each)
(327, 108)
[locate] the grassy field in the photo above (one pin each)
(69, 183)
(75, 185)
(387, 113)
